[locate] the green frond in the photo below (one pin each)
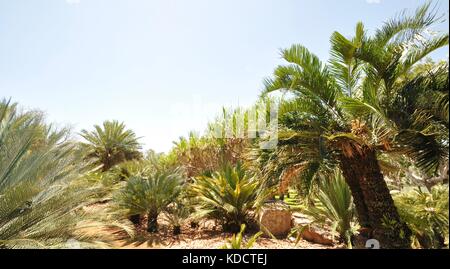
(333, 205)
(228, 196)
(150, 193)
(110, 144)
(344, 65)
(305, 75)
(426, 213)
(405, 26)
(425, 149)
(417, 52)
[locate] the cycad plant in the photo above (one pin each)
(229, 196)
(333, 205)
(426, 213)
(177, 213)
(42, 194)
(150, 195)
(110, 145)
(365, 102)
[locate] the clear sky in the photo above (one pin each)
(164, 67)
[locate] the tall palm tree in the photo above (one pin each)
(111, 144)
(363, 103)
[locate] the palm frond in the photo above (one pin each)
(404, 26)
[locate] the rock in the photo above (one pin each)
(275, 218)
(311, 236)
(301, 219)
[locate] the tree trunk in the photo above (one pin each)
(152, 222)
(194, 224)
(352, 173)
(176, 230)
(135, 219)
(374, 205)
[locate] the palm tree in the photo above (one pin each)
(150, 194)
(111, 144)
(41, 188)
(361, 104)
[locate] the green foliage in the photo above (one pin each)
(426, 213)
(293, 200)
(228, 196)
(368, 96)
(42, 194)
(423, 116)
(197, 154)
(225, 141)
(333, 206)
(236, 241)
(161, 160)
(150, 194)
(374, 92)
(301, 153)
(177, 213)
(371, 80)
(111, 144)
(112, 179)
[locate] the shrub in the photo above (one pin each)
(333, 205)
(176, 214)
(228, 196)
(150, 195)
(426, 213)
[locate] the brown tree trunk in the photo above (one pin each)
(152, 222)
(352, 174)
(374, 205)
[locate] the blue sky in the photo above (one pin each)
(164, 67)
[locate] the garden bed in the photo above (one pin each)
(206, 236)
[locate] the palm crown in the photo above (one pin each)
(111, 144)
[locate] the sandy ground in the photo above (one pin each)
(206, 236)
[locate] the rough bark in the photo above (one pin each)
(352, 174)
(374, 204)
